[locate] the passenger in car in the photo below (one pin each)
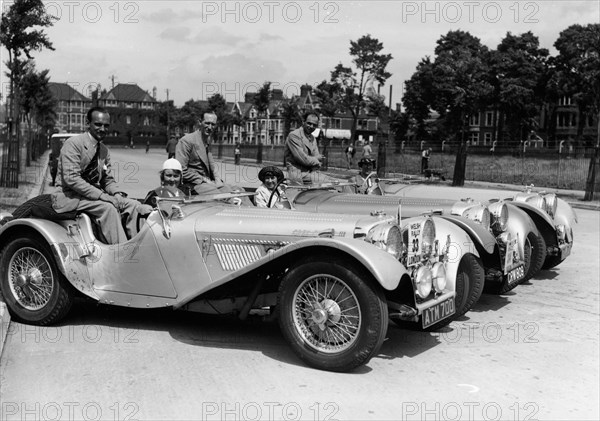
(362, 180)
(170, 182)
(270, 194)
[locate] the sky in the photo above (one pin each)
(194, 49)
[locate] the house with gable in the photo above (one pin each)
(72, 108)
(133, 114)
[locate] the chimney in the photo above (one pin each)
(304, 90)
(277, 94)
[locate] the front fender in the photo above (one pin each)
(565, 215)
(520, 225)
(541, 219)
(386, 269)
(67, 249)
(482, 238)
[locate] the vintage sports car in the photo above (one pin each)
(470, 242)
(332, 280)
(553, 217)
(500, 235)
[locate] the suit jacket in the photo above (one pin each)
(197, 163)
(302, 151)
(75, 156)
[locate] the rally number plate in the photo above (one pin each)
(440, 311)
(516, 274)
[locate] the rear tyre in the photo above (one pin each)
(34, 290)
(332, 318)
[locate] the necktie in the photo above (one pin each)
(92, 172)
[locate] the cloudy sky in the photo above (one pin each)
(197, 48)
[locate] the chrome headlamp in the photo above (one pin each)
(423, 282)
(478, 213)
(499, 216)
(438, 273)
(387, 237)
(560, 232)
(551, 204)
(538, 201)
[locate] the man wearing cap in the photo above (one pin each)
(364, 180)
(269, 194)
(87, 184)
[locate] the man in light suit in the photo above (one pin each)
(87, 183)
(200, 175)
(302, 153)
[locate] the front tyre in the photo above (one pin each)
(332, 314)
(33, 288)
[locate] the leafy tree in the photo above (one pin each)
(352, 83)
(579, 64)
(328, 96)
(189, 114)
(38, 103)
(291, 115)
(518, 66)
(418, 94)
(20, 34)
(218, 105)
(459, 88)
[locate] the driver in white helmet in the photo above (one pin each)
(170, 181)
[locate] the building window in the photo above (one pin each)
(336, 123)
(489, 118)
(565, 100)
(565, 120)
(474, 138)
(128, 119)
(146, 121)
(487, 138)
(474, 120)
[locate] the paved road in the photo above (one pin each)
(530, 354)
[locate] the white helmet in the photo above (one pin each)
(172, 164)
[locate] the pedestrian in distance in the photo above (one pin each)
(171, 146)
(147, 145)
(237, 153)
(367, 150)
(425, 155)
(350, 151)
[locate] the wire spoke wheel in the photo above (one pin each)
(326, 313)
(30, 278)
(333, 313)
(34, 289)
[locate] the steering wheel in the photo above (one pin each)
(288, 206)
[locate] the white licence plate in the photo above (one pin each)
(516, 274)
(440, 311)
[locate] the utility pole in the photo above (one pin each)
(168, 107)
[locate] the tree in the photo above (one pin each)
(517, 66)
(218, 105)
(38, 104)
(579, 64)
(261, 101)
(418, 95)
(455, 85)
(291, 115)
(352, 84)
(20, 35)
